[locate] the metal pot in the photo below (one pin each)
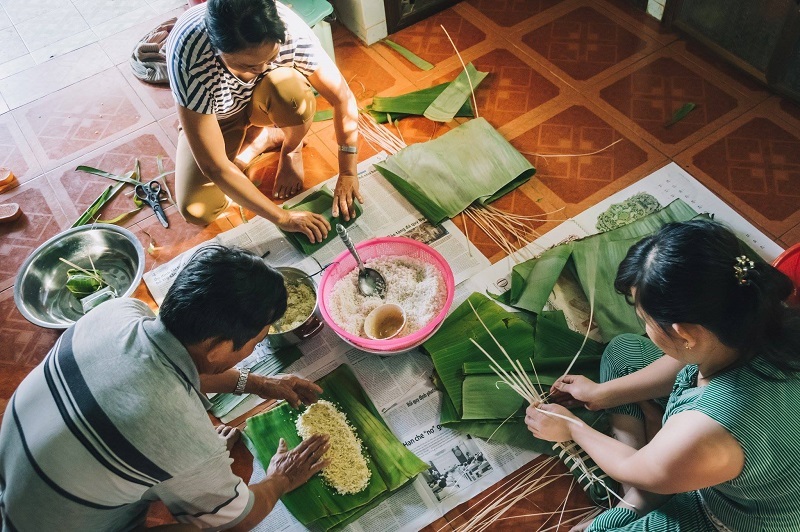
(308, 328)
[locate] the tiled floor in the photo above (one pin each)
(566, 77)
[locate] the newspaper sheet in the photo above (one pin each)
(460, 466)
(386, 213)
(400, 386)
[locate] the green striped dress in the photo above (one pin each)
(760, 407)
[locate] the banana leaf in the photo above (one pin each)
(416, 60)
(485, 397)
(595, 260)
(320, 202)
(322, 116)
(680, 114)
(104, 197)
(314, 504)
(447, 104)
(272, 364)
(450, 348)
(443, 176)
(411, 104)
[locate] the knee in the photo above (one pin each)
(198, 212)
(616, 359)
(283, 98)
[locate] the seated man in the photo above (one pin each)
(233, 64)
(115, 415)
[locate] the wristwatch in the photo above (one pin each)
(242, 382)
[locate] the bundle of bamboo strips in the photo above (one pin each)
(518, 380)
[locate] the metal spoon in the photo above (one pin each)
(370, 282)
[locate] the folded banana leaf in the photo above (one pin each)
(411, 104)
(447, 104)
(595, 260)
(314, 504)
(450, 348)
(223, 403)
(443, 176)
(485, 397)
(320, 202)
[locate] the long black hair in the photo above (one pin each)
(236, 25)
(685, 273)
(224, 293)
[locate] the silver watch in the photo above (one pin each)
(242, 382)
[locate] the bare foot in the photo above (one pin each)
(230, 434)
(289, 178)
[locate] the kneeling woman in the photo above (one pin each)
(730, 441)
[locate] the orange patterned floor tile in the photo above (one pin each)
(577, 130)
(584, 43)
(509, 13)
(77, 190)
(81, 118)
(42, 218)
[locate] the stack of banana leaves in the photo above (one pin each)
(593, 261)
(474, 400)
(315, 504)
(471, 163)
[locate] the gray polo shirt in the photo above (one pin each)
(112, 419)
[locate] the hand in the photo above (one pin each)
(347, 188)
(550, 428)
(291, 388)
(295, 467)
(313, 225)
(576, 390)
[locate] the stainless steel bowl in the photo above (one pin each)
(39, 291)
(311, 326)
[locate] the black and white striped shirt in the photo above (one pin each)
(112, 419)
(200, 81)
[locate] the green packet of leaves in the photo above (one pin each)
(319, 202)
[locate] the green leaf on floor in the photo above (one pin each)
(416, 60)
(680, 114)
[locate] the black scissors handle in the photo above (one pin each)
(149, 193)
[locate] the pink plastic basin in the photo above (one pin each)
(372, 249)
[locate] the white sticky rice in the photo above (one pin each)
(415, 285)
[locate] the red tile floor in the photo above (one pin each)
(565, 77)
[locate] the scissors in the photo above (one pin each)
(149, 193)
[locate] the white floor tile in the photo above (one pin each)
(117, 24)
(17, 65)
(11, 45)
(64, 46)
(53, 75)
(120, 45)
(5, 20)
(3, 106)
(57, 25)
(162, 6)
(95, 12)
(23, 10)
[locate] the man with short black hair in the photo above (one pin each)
(115, 416)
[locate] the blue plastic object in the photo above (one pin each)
(311, 11)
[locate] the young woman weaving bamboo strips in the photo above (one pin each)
(729, 440)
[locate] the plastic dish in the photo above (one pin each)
(371, 249)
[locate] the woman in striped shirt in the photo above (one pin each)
(725, 456)
(234, 64)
